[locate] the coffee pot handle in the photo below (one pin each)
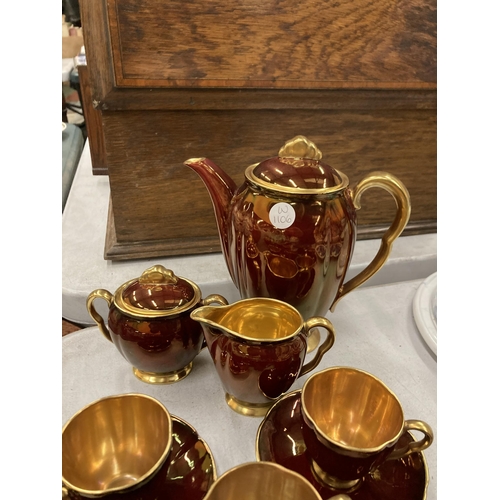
(309, 326)
(401, 196)
(414, 446)
(100, 293)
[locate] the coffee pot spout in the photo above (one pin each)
(221, 189)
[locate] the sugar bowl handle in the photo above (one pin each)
(309, 326)
(401, 196)
(100, 293)
(414, 446)
(214, 298)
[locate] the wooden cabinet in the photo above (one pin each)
(233, 81)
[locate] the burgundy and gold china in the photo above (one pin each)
(115, 445)
(258, 347)
(187, 473)
(149, 323)
(261, 481)
(280, 439)
(289, 231)
(352, 423)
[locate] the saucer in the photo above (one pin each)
(425, 311)
(280, 440)
(187, 474)
(191, 467)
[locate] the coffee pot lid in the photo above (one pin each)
(297, 169)
(158, 292)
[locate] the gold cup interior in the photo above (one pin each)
(115, 443)
(255, 319)
(261, 480)
(353, 409)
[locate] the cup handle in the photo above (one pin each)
(214, 298)
(315, 322)
(99, 294)
(401, 196)
(414, 446)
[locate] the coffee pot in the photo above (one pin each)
(289, 231)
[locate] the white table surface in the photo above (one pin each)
(375, 330)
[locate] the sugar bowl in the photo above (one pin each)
(149, 323)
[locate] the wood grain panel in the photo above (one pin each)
(241, 99)
(155, 198)
(93, 123)
(233, 81)
(94, 15)
(274, 43)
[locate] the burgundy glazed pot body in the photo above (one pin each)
(258, 347)
(288, 232)
(156, 345)
(304, 264)
(255, 372)
(149, 323)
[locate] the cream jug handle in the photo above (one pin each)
(108, 297)
(214, 298)
(309, 326)
(401, 196)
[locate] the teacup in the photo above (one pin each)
(258, 346)
(115, 446)
(261, 480)
(352, 424)
(149, 323)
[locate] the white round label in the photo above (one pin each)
(282, 215)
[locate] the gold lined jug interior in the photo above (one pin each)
(254, 319)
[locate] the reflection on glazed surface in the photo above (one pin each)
(256, 373)
(150, 297)
(158, 345)
(288, 232)
(187, 474)
(258, 346)
(280, 439)
(304, 264)
(259, 319)
(352, 422)
(149, 323)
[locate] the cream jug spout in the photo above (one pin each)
(221, 189)
(210, 315)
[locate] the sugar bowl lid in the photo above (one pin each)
(297, 169)
(157, 293)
